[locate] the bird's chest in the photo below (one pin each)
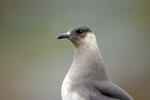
(67, 92)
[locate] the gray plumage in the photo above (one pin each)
(87, 79)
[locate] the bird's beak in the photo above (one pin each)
(63, 35)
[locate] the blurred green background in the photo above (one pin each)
(33, 63)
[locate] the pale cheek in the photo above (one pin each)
(90, 40)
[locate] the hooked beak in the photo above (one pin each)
(64, 35)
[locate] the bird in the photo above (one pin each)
(87, 78)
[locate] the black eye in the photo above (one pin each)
(80, 31)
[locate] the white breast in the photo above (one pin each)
(66, 93)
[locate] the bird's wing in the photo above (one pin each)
(112, 91)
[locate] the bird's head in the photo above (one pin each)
(80, 36)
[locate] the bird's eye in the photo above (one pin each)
(80, 31)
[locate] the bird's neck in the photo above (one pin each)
(87, 54)
(88, 50)
(87, 61)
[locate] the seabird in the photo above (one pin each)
(86, 78)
